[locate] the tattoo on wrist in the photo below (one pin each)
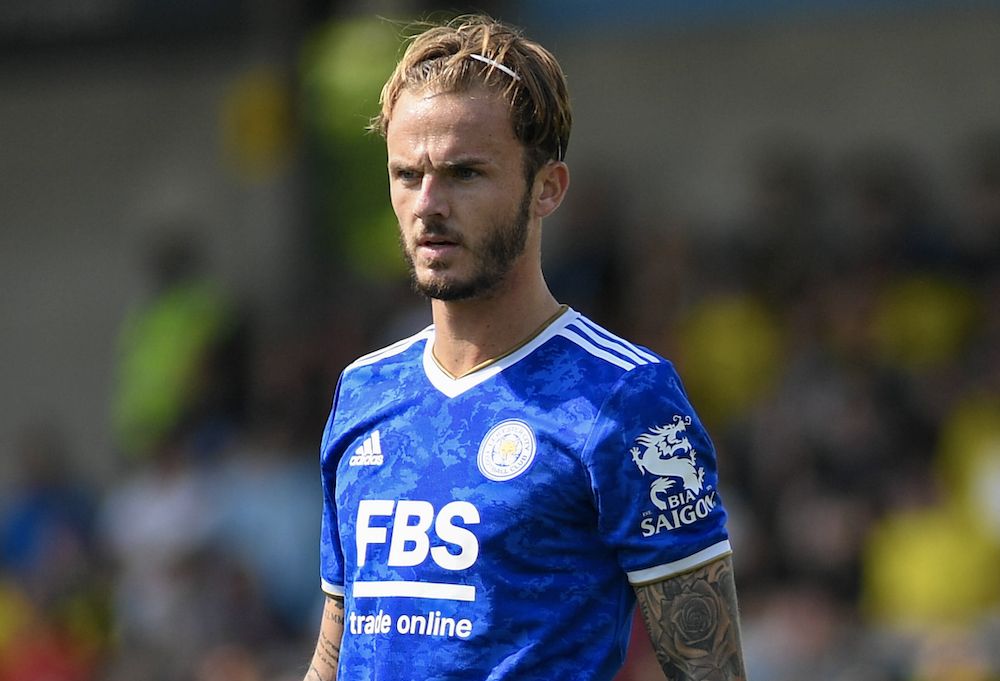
(327, 654)
(328, 651)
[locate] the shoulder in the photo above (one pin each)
(397, 350)
(634, 387)
(585, 362)
(593, 342)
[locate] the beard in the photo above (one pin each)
(492, 259)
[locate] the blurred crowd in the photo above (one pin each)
(842, 343)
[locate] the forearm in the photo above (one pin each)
(327, 654)
(694, 624)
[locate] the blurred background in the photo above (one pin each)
(798, 203)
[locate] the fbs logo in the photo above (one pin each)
(369, 453)
(408, 534)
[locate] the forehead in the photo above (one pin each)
(470, 122)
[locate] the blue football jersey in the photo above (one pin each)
(492, 526)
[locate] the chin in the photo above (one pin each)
(446, 290)
(457, 290)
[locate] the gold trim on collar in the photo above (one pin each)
(493, 360)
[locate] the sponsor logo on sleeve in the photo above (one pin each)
(677, 489)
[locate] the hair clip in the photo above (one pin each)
(497, 65)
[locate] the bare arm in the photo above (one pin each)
(694, 624)
(324, 661)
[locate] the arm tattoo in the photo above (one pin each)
(327, 653)
(693, 623)
(328, 650)
(336, 613)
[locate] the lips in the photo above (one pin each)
(437, 243)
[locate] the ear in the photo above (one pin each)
(550, 187)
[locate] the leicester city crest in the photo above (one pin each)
(507, 450)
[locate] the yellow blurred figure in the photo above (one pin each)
(15, 611)
(921, 321)
(969, 460)
(928, 569)
(257, 124)
(729, 351)
(937, 566)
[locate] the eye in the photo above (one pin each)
(406, 175)
(464, 173)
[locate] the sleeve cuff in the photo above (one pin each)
(332, 589)
(658, 572)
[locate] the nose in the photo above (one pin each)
(432, 200)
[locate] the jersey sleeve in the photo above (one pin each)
(655, 479)
(331, 554)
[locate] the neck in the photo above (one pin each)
(469, 333)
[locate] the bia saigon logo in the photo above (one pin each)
(678, 487)
(507, 450)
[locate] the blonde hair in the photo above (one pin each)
(476, 50)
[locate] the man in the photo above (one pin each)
(501, 488)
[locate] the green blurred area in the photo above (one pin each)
(343, 67)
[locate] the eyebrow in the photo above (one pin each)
(451, 164)
(466, 161)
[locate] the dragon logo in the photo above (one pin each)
(666, 453)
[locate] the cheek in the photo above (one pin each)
(399, 201)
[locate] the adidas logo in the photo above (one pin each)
(369, 453)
